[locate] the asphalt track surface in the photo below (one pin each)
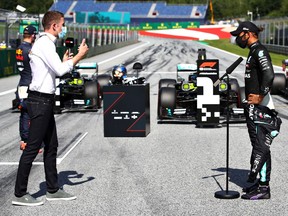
(175, 170)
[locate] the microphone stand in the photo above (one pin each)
(226, 194)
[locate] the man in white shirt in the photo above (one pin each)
(45, 65)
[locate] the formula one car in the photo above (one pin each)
(119, 76)
(78, 90)
(280, 80)
(177, 98)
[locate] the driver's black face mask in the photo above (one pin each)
(240, 42)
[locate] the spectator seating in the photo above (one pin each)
(92, 6)
(158, 9)
(173, 10)
(61, 6)
(135, 8)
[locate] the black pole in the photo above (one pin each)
(227, 133)
(7, 33)
(227, 194)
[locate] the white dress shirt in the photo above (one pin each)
(46, 64)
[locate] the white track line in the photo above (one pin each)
(17, 163)
(124, 53)
(59, 160)
(7, 92)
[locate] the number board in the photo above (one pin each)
(126, 110)
(208, 98)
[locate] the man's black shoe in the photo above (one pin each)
(262, 192)
(251, 188)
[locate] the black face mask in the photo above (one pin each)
(241, 43)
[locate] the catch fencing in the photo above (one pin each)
(274, 35)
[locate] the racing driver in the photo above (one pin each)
(23, 66)
(262, 121)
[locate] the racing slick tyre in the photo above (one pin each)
(57, 110)
(279, 83)
(241, 97)
(103, 80)
(91, 90)
(166, 83)
(166, 100)
(234, 85)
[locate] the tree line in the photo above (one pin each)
(222, 9)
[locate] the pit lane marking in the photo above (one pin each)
(58, 160)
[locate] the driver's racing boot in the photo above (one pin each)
(262, 192)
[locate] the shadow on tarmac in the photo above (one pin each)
(64, 178)
(236, 176)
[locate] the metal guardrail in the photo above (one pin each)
(279, 49)
(99, 41)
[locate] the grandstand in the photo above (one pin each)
(140, 9)
(90, 6)
(144, 11)
(164, 10)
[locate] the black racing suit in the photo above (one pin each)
(262, 121)
(23, 66)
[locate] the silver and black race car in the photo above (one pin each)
(177, 98)
(78, 90)
(119, 75)
(82, 88)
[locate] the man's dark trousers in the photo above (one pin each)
(42, 129)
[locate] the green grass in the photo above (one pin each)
(225, 44)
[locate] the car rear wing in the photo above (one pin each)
(186, 67)
(87, 65)
(87, 69)
(192, 68)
